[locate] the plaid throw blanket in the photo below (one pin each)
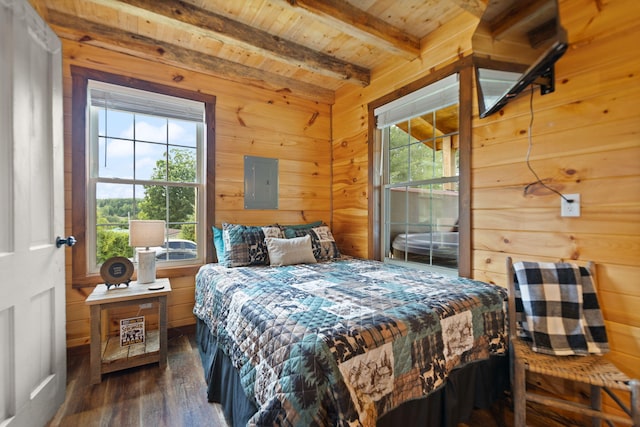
(557, 309)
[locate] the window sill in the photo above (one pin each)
(170, 272)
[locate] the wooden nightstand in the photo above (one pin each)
(106, 353)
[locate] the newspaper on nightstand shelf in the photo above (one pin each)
(131, 331)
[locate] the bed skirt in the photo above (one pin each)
(476, 385)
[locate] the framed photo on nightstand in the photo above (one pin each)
(116, 271)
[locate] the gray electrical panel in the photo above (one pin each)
(260, 183)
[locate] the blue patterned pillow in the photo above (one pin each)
(328, 248)
(244, 245)
(322, 242)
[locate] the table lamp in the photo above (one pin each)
(144, 234)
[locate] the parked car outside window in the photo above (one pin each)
(176, 254)
(175, 244)
(176, 249)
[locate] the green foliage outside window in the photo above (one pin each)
(411, 160)
(181, 168)
(188, 231)
(113, 243)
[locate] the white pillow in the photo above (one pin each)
(290, 251)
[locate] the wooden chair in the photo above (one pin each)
(593, 370)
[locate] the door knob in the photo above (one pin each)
(69, 241)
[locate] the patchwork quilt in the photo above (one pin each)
(342, 343)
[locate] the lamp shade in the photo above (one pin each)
(146, 233)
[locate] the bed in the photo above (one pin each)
(349, 342)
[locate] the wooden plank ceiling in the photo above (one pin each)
(307, 47)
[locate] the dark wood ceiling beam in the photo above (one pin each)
(250, 39)
(92, 33)
(362, 25)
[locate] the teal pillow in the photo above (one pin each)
(290, 230)
(218, 243)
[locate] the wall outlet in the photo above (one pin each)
(570, 209)
(145, 306)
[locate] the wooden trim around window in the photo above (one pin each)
(464, 67)
(80, 77)
(464, 202)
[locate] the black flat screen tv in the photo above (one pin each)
(516, 43)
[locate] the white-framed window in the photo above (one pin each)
(145, 161)
(419, 176)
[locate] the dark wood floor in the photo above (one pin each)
(148, 396)
(143, 396)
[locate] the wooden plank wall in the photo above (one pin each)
(586, 140)
(249, 121)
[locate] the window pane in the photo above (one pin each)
(183, 133)
(447, 119)
(398, 136)
(116, 191)
(182, 243)
(419, 205)
(397, 203)
(115, 158)
(182, 204)
(424, 163)
(399, 165)
(151, 129)
(428, 247)
(445, 205)
(175, 255)
(422, 128)
(114, 205)
(410, 245)
(429, 119)
(111, 241)
(151, 161)
(154, 202)
(182, 165)
(119, 124)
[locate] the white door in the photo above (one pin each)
(32, 285)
